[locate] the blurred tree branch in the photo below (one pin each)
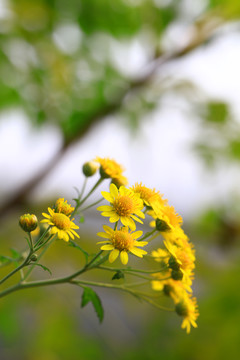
(201, 32)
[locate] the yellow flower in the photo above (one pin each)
(109, 168)
(125, 204)
(188, 309)
(122, 242)
(148, 196)
(62, 225)
(61, 206)
(170, 219)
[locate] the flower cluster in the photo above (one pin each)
(126, 208)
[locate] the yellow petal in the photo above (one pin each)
(128, 222)
(108, 229)
(114, 218)
(107, 247)
(140, 214)
(46, 215)
(136, 219)
(124, 257)
(104, 235)
(113, 190)
(138, 252)
(140, 243)
(105, 208)
(107, 196)
(113, 255)
(137, 234)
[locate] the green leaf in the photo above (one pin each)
(73, 244)
(43, 267)
(89, 295)
(16, 255)
(118, 275)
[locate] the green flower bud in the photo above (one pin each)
(173, 264)
(161, 225)
(167, 289)
(103, 173)
(89, 168)
(34, 257)
(28, 222)
(177, 274)
(181, 309)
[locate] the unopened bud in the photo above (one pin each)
(89, 168)
(161, 225)
(34, 257)
(181, 309)
(28, 222)
(173, 264)
(177, 274)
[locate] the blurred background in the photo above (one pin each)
(155, 85)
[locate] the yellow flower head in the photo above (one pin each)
(170, 219)
(109, 168)
(188, 309)
(173, 288)
(125, 205)
(61, 225)
(148, 196)
(121, 242)
(61, 206)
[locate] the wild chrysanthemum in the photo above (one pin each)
(149, 196)
(122, 242)
(61, 225)
(125, 205)
(109, 168)
(188, 309)
(167, 215)
(61, 206)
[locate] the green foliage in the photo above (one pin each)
(118, 275)
(90, 296)
(217, 112)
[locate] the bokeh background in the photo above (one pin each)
(154, 84)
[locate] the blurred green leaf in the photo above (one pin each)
(217, 112)
(90, 296)
(118, 275)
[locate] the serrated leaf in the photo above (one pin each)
(89, 295)
(118, 275)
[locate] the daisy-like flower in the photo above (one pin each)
(149, 196)
(121, 242)
(188, 309)
(170, 219)
(61, 225)
(109, 168)
(61, 206)
(125, 205)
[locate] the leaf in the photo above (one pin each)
(82, 219)
(118, 275)
(43, 267)
(89, 295)
(16, 255)
(73, 244)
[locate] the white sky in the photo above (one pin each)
(159, 156)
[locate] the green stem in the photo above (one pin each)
(131, 270)
(25, 262)
(39, 257)
(147, 235)
(89, 206)
(90, 192)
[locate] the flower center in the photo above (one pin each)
(61, 221)
(122, 240)
(123, 206)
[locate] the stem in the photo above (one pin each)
(17, 269)
(83, 188)
(90, 192)
(131, 270)
(89, 206)
(147, 235)
(39, 257)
